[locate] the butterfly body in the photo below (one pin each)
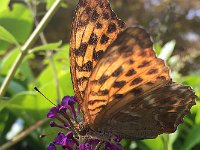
(122, 87)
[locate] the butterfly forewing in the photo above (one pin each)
(129, 65)
(94, 27)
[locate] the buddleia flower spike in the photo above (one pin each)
(66, 116)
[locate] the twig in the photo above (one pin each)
(22, 135)
(28, 44)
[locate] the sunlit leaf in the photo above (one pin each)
(167, 50)
(4, 5)
(49, 3)
(154, 144)
(18, 21)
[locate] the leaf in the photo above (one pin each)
(18, 21)
(8, 60)
(49, 3)
(172, 139)
(49, 46)
(29, 106)
(192, 138)
(3, 103)
(4, 118)
(154, 144)
(14, 87)
(167, 50)
(4, 5)
(7, 36)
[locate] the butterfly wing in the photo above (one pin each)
(94, 27)
(130, 74)
(153, 113)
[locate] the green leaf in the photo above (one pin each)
(8, 60)
(154, 144)
(14, 87)
(3, 103)
(49, 46)
(49, 4)
(4, 5)
(172, 139)
(18, 21)
(7, 36)
(192, 139)
(4, 118)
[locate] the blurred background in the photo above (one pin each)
(175, 29)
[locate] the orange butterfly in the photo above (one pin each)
(122, 87)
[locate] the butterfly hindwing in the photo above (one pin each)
(153, 113)
(94, 27)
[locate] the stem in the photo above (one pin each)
(22, 135)
(28, 44)
(49, 54)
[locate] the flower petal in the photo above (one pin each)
(52, 112)
(51, 146)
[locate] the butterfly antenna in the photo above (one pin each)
(46, 135)
(35, 88)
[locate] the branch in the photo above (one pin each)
(28, 44)
(22, 135)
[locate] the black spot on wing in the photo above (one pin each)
(144, 64)
(119, 84)
(97, 55)
(104, 39)
(136, 91)
(82, 49)
(117, 72)
(111, 28)
(152, 71)
(130, 72)
(94, 16)
(103, 79)
(136, 81)
(87, 66)
(93, 39)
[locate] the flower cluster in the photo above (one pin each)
(67, 114)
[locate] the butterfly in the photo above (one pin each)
(122, 87)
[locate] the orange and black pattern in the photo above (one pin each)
(122, 87)
(94, 28)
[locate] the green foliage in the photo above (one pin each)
(46, 66)
(8, 37)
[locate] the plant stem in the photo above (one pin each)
(22, 135)
(49, 54)
(28, 44)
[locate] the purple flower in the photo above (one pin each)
(89, 145)
(51, 146)
(111, 146)
(53, 112)
(67, 117)
(68, 103)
